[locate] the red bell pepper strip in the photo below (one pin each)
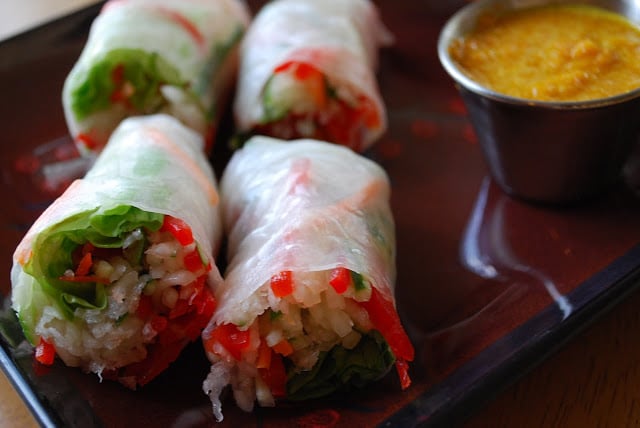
(234, 340)
(196, 320)
(283, 67)
(87, 141)
(173, 335)
(206, 304)
(275, 376)
(88, 247)
(182, 307)
(301, 70)
(189, 325)
(193, 261)
(159, 323)
(159, 356)
(340, 279)
(402, 367)
(201, 301)
(178, 228)
(282, 283)
(85, 265)
(45, 352)
(145, 307)
(304, 71)
(385, 319)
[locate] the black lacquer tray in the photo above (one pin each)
(487, 285)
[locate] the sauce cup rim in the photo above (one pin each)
(451, 31)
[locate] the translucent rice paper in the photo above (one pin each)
(339, 37)
(188, 34)
(303, 205)
(153, 163)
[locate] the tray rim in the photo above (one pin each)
(593, 298)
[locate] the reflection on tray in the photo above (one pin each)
(486, 250)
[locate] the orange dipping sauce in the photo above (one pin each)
(553, 53)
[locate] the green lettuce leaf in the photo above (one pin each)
(342, 370)
(54, 247)
(146, 71)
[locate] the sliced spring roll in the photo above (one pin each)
(307, 305)
(307, 70)
(154, 56)
(115, 276)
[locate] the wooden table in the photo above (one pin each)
(593, 381)
(13, 411)
(19, 16)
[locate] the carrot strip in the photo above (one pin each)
(85, 265)
(283, 348)
(264, 356)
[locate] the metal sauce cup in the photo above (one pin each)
(540, 151)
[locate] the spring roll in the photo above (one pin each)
(177, 57)
(307, 305)
(307, 70)
(115, 276)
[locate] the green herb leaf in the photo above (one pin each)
(358, 281)
(274, 315)
(341, 369)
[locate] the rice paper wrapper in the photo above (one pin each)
(340, 38)
(190, 51)
(152, 163)
(302, 206)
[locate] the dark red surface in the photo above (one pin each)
(473, 263)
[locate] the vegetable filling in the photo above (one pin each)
(131, 307)
(299, 102)
(319, 335)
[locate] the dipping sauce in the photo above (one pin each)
(553, 53)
